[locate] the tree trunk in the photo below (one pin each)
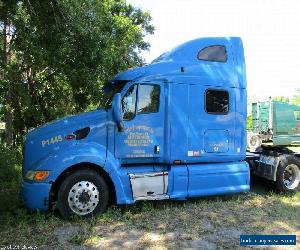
(6, 61)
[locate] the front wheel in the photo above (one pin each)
(83, 193)
(288, 175)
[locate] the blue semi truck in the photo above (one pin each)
(173, 129)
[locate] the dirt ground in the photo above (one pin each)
(207, 223)
(203, 223)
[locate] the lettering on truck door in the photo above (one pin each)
(143, 115)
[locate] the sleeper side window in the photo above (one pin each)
(148, 100)
(217, 101)
(129, 103)
(215, 53)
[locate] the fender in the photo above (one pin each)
(94, 153)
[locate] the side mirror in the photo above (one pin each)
(117, 111)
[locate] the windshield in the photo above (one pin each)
(110, 89)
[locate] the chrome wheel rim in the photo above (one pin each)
(291, 176)
(253, 141)
(83, 197)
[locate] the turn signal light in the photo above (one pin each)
(41, 175)
(37, 175)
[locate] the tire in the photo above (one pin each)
(83, 193)
(288, 175)
(254, 141)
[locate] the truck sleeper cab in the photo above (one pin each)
(173, 129)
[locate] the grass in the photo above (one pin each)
(212, 221)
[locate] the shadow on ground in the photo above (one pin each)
(208, 223)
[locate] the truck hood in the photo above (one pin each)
(67, 123)
(60, 134)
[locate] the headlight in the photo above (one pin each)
(37, 175)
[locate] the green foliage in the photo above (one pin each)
(59, 53)
(10, 167)
(280, 99)
(296, 98)
(249, 122)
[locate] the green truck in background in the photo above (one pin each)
(274, 121)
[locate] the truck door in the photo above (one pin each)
(142, 140)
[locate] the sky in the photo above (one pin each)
(270, 30)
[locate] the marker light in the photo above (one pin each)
(177, 162)
(37, 175)
(70, 137)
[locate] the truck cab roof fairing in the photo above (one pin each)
(183, 60)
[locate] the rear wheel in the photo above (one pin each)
(83, 193)
(288, 175)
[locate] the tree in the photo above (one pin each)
(60, 54)
(7, 10)
(280, 99)
(249, 123)
(296, 98)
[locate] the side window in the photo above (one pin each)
(217, 101)
(128, 103)
(215, 53)
(148, 101)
